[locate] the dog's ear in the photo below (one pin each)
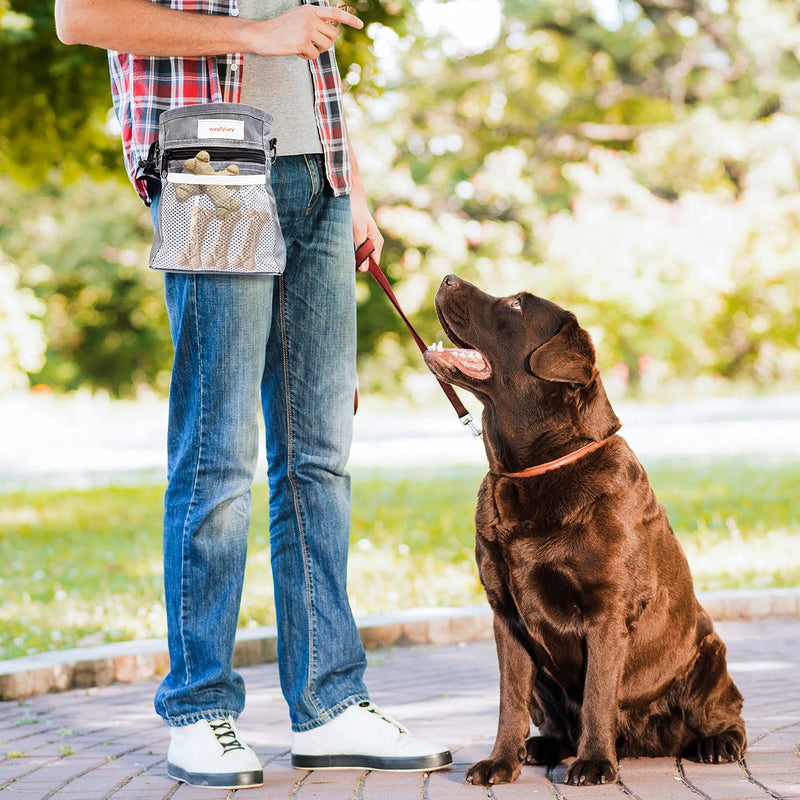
(567, 358)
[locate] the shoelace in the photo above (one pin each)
(226, 735)
(373, 709)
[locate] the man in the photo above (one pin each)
(286, 344)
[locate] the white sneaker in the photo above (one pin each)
(209, 753)
(362, 737)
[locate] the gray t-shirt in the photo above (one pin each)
(282, 86)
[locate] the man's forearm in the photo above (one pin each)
(147, 29)
(143, 28)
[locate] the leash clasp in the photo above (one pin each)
(470, 423)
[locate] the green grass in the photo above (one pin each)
(84, 567)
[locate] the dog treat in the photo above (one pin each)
(191, 256)
(344, 7)
(246, 257)
(218, 257)
(224, 202)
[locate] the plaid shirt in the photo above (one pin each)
(144, 86)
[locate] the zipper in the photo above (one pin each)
(241, 154)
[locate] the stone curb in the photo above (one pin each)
(139, 660)
(87, 667)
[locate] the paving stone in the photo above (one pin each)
(14, 768)
(374, 788)
(329, 783)
(185, 792)
(451, 783)
(445, 693)
(145, 787)
(719, 780)
(532, 782)
(648, 777)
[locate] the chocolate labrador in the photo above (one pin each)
(600, 638)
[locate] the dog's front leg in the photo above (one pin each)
(517, 673)
(606, 647)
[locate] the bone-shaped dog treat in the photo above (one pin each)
(224, 202)
(191, 254)
(218, 257)
(344, 7)
(246, 257)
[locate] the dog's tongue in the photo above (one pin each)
(471, 362)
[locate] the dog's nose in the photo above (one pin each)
(451, 280)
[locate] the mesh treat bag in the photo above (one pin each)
(217, 211)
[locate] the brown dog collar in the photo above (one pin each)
(540, 469)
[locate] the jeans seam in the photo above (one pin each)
(312, 200)
(189, 508)
(295, 494)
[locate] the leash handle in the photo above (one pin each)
(364, 253)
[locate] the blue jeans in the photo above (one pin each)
(288, 344)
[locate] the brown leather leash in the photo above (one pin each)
(364, 253)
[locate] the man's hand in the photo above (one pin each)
(305, 31)
(364, 226)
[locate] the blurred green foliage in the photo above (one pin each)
(84, 253)
(637, 162)
(55, 100)
(639, 166)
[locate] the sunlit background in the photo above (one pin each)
(637, 161)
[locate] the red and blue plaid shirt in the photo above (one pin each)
(144, 86)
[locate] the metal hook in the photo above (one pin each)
(470, 423)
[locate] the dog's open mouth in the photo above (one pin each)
(467, 360)
(463, 358)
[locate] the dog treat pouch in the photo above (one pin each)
(217, 210)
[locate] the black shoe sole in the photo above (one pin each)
(377, 763)
(217, 780)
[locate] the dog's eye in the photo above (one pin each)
(513, 302)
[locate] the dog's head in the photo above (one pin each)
(526, 358)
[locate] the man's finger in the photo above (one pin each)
(343, 7)
(338, 16)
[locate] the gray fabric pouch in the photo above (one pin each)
(217, 211)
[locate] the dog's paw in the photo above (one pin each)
(493, 770)
(727, 746)
(585, 772)
(546, 750)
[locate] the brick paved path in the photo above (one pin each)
(107, 743)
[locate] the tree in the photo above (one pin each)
(587, 158)
(71, 220)
(635, 161)
(58, 99)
